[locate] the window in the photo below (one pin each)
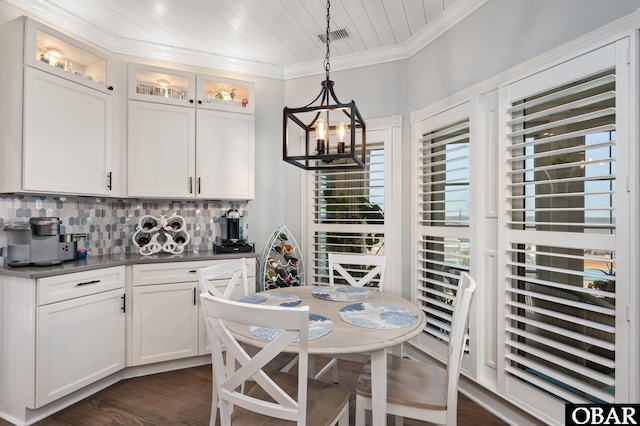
(443, 159)
(349, 211)
(562, 213)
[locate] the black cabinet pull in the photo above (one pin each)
(190, 184)
(198, 185)
(110, 88)
(87, 283)
(194, 297)
(193, 271)
(110, 177)
(124, 306)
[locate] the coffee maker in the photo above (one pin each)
(39, 242)
(234, 242)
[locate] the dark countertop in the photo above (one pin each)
(107, 261)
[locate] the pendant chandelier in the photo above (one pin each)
(338, 129)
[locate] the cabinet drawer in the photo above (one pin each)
(176, 272)
(71, 286)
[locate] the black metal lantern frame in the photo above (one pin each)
(326, 155)
(314, 158)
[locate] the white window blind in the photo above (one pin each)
(443, 218)
(348, 212)
(562, 215)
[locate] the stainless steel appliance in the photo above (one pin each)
(45, 240)
(234, 242)
(18, 243)
(40, 243)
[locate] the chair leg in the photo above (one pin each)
(214, 402)
(344, 419)
(289, 365)
(333, 363)
(360, 411)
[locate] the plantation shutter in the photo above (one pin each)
(443, 161)
(348, 211)
(562, 216)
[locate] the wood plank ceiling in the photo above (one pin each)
(270, 33)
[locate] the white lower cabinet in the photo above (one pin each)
(80, 333)
(167, 322)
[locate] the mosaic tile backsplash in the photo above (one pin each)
(109, 223)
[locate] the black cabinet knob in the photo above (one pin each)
(110, 88)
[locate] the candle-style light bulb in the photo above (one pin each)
(341, 130)
(321, 133)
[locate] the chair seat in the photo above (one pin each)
(409, 383)
(325, 402)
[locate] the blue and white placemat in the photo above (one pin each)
(272, 299)
(318, 327)
(343, 293)
(378, 316)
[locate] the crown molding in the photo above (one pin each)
(71, 24)
(446, 20)
(442, 23)
(65, 22)
(343, 62)
(195, 58)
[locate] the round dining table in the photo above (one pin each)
(347, 338)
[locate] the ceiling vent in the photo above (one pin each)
(339, 34)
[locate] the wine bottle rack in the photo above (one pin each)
(156, 234)
(281, 261)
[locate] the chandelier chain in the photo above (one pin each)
(327, 66)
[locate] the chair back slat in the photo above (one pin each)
(295, 324)
(237, 268)
(377, 262)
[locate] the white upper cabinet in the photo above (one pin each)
(225, 94)
(179, 147)
(161, 85)
(57, 118)
(58, 54)
(161, 150)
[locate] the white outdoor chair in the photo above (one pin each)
(357, 270)
(423, 391)
(276, 398)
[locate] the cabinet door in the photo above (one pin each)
(225, 155)
(161, 150)
(165, 322)
(79, 341)
(67, 136)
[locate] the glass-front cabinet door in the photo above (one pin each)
(58, 54)
(225, 94)
(161, 85)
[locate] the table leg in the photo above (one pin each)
(379, 387)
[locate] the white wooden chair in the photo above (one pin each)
(357, 270)
(362, 263)
(423, 391)
(237, 268)
(277, 397)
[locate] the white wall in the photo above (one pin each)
(493, 39)
(500, 35)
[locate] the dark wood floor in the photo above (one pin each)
(183, 397)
